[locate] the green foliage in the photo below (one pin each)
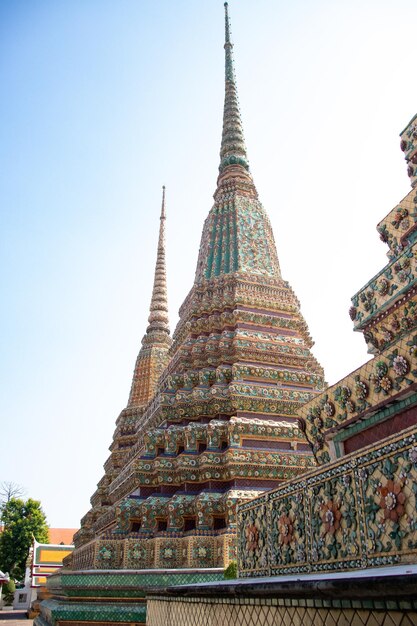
(22, 521)
(8, 592)
(231, 571)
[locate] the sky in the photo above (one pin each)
(103, 102)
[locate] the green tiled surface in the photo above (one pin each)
(56, 611)
(104, 592)
(101, 588)
(112, 582)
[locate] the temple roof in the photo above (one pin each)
(61, 535)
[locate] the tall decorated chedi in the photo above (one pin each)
(220, 425)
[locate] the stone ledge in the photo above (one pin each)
(383, 585)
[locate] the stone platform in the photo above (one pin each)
(103, 597)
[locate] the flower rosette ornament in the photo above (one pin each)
(405, 224)
(168, 553)
(105, 553)
(285, 529)
(202, 552)
(138, 552)
(384, 233)
(330, 517)
(315, 419)
(352, 313)
(412, 455)
(383, 286)
(400, 365)
(342, 395)
(381, 380)
(387, 335)
(402, 276)
(392, 500)
(361, 390)
(400, 214)
(328, 409)
(252, 537)
(386, 384)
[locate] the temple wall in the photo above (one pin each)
(357, 512)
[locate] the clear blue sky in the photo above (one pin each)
(102, 103)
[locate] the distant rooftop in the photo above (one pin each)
(62, 535)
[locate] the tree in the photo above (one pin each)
(8, 592)
(22, 521)
(9, 490)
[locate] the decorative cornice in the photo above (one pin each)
(386, 379)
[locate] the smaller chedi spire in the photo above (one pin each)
(153, 354)
(233, 149)
(158, 314)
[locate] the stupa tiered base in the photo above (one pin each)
(103, 597)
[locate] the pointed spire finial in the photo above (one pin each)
(163, 216)
(233, 149)
(158, 311)
(227, 23)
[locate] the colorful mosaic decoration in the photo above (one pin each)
(359, 512)
(212, 416)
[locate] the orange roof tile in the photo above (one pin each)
(62, 535)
